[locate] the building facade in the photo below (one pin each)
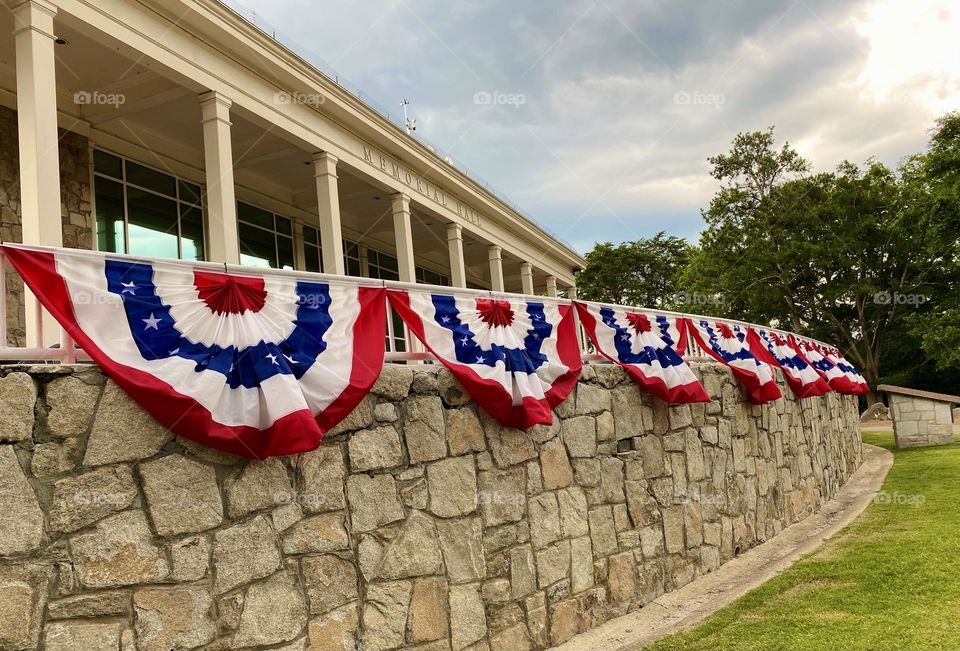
(176, 128)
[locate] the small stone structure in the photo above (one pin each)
(920, 418)
(419, 523)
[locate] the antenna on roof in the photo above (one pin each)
(411, 123)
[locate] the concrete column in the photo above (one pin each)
(572, 292)
(552, 286)
(364, 254)
(38, 142)
(328, 206)
(299, 256)
(400, 204)
(526, 278)
(458, 272)
(495, 256)
(223, 243)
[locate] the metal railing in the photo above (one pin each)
(66, 351)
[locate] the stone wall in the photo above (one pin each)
(76, 210)
(918, 422)
(420, 523)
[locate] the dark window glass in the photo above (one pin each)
(191, 231)
(109, 198)
(258, 248)
(254, 215)
(352, 266)
(285, 252)
(311, 258)
(151, 179)
(311, 235)
(284, 226)
(189, 192)
(399, 343)
(104, 163)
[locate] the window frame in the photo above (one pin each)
(125, 184)
(276, 233)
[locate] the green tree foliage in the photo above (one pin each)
(854, 257)
(639, 273)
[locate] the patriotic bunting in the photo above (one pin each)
(858, 385)
(263, 363)
(517, 358)
(252, 364)
(727, 344)
(648, 346)
(833, 367)
(772, 347)
(829, 370)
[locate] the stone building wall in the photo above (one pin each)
(75, 205)
(918, 422)
(419, 523)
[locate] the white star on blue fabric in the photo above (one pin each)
(465, 341)
(272, 358)
(174, 351)
(128, 288)
(290, 359)
(479, 359)
(151, 322)
(445, 319)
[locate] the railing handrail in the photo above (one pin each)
(68, 353)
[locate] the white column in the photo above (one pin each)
(526, 278)
(328, 206)
(458, 272)
(400, 203)
(38, 142)
(572, 291)
(223, 244)
(552, 286)
(495, 256)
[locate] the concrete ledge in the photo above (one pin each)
(688, 606)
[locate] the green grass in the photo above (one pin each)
(891, 580)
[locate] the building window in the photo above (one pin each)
(143, 211)
(382, 266)
(312, 253)
(266, 239)
(351, 259)
(428, 277)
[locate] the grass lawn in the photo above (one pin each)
(891, 580)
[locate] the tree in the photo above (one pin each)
(639, 273)
(844, 256)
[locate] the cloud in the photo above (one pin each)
(624, 100)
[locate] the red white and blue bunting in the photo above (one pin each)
(772, 347)
(727, 343)
(649, 347)
(263, 363)
(517, 358)
(252, 365)
(841, 376)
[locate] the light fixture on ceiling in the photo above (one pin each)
(60, 40)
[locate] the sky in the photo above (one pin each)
(596, 117)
